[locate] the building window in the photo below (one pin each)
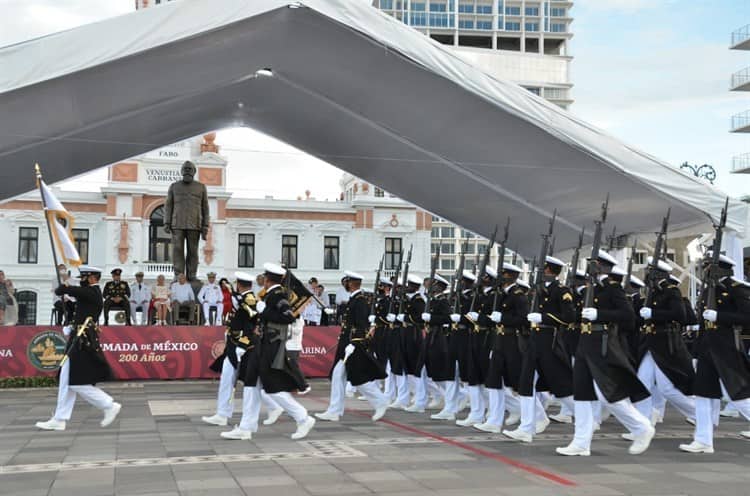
(379, 193)
(28, 245)
(331, 252)
(289, 251)
(81, 239)
(159, 242)
(468, 249)
(448, 248)
(465, 8)
(484, 9)
(435, 233)
(447, 232)
(559, 28)
(246, 250)
(532, 26)
(482, 249)
(26, 307)
(532, 11)
(537, 91)
(447, 264)
(392, 253)
(513, 11)
(435, 219)
(465, 24)
(386, 4)
(557, 12)
(639, 258)
(484, 25)
(467, 234)
(512, 26)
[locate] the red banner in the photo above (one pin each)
(148, 352)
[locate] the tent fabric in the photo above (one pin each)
(352, 86)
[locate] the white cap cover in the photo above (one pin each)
(511, 268)
(722, 258)
(662, 265)
(441, 279)
(353, 275)
(491, 272)
(635, 281)
(244, 276)
(618, 271)
(272, 268)
(467, 274)
(606, 257)
(554, 261)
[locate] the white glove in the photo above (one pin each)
(329, 311)
(589, 314)
(709, 315)
(348, 350)
(490, 354)
(426, 317)
(371, 319)
(645, 313)
(496, 317)
(390, 317)
(400, 317)
(260, 306)
(455, 318)
(693, 327)
(534, 318)
(473, 316)
(67, 330)
(239, 352)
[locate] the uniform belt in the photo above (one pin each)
(589, 328)
(544, 327)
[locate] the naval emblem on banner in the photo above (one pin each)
(45, 350)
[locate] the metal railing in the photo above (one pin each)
(154, 269)
(741, 162)
(740, 77)
(742, 34)
(556, 93)
(741, 120)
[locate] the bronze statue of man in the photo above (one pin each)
(186, 217)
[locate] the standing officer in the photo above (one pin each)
(85, 364)
(116, 295)
(723, 364)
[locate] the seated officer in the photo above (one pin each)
(116, 295)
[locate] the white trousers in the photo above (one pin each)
(144, 313)
(369, 390)
(207, 311)
(419, 386)
(623, 410)
(707, 415)
(496, 406)
(477, 404)
(66, 395)
(512, 403)
(225, 400)
(655, 380)
(532, 411)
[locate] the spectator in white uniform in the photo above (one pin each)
(140, 299)
(209, 296)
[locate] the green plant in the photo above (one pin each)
(28, 382)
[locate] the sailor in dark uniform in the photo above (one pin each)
(396, 366)
(723, 363)
(116, 295)
(602, 369)
(412, 337)
(438, 363)
(354, 361)
(664, 362)
(633, 291)
(278, 375)
(85, 364)
(380, 325)
(545, 360)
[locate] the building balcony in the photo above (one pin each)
(741, 122)
(741, 39)
(740, 80)
(741, 164)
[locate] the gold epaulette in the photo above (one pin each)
(249, 299)
(518, 291)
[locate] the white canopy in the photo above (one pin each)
(350, 85)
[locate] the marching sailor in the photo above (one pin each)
(464, 352)
(354, 361)
(84, 364)
(438, 364)
(723, 364)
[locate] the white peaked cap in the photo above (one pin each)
(722, 258)
(635, 281)
(618, 271)
(243, 276)
(353, 275)
(88, 269)
(675, 279)
(441, 279)
(412, 279)
(491, 272)
(386, 281)
(603, 255)
(554, 261)
(467, 274)
(511, 268)
(662, 265)
(272, 268)
(580, 273)
(523, 283)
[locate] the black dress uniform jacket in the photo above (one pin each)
(505, 360)
(412, 335)
(361, 366)
(611, 367)
(460, 337)
(241, 322)
(438, 361)
(662, 337)
(87, 362)
(572, 334)
(478, 350)
(379, 343)
(630, 335)
(546, 352)
(275, 316)
(720, 351)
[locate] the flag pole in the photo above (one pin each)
(38, 173)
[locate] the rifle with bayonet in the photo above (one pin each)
(377, 283)
(626, 282)
(711, 273)
(431, 289)
(538, 283)
(458, 280)
(612, 239)
(651, 281)
(571, 277)
(395, 285)
(592, 272)
(500, 261)
(482, 271)
(402, 296)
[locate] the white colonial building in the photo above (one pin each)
(121, 225)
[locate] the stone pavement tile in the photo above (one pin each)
(628, 468)
(340, 488)
(430, 474)
(382, 476)
(212, 492)
(89, 490)
(593, 490)
(388, 487)
(207, 484)
(607, 478)
(711, 477)
(276, 491)
(253, 481)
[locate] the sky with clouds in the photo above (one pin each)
(654, 73)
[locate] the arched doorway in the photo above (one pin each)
(159, 242)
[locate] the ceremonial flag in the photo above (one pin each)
(299, 295)
(60, 223)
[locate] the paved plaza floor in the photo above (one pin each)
(159, 446)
